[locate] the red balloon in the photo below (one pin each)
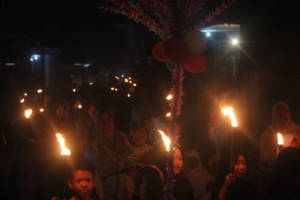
(196, 63)
(158, 52)
(176, 51)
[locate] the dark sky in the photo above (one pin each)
(84, 33)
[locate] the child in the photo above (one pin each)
(81, 181)
(240, 184)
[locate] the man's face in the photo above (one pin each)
(106, 124)
(82, 183)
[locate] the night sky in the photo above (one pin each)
(84, 33)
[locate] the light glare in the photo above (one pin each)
(28, 113)
(230, 113)
(235, 41)
(64, 150)
(280, 139)
(166, 140)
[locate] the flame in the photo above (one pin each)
(117, 77)
(112, 88)
(279, 139)
(41, 109)
(74, 90)
(25, 94)
(126, 80)
(79, 106)
(39, 91)
(169, 97)
(22, 100)
(166, 140)
(128, 95)
(230, 113)
(28, 113)
(116, 89)
(134, 85)
(91, 83)
(64, 150)
(168, 114)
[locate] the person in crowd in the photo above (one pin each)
(141, 149)
(238, 184)
(281, 123)
(201, 179)
(112, 149)
(183, 189)
(81, 182)
(146, 178)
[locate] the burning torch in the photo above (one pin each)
(229, 112)
(280, 142)
(169, 167)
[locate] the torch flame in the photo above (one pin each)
(28, 113)
(22, 100)
(166, 140)
(230, 113)
(168, 114)
(39, 91)
(64, 150)
(279, 139)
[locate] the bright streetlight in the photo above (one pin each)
(235, 42)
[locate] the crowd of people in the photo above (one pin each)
(109, 164)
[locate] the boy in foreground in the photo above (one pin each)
(81, 181)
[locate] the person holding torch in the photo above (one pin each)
(289, 131)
